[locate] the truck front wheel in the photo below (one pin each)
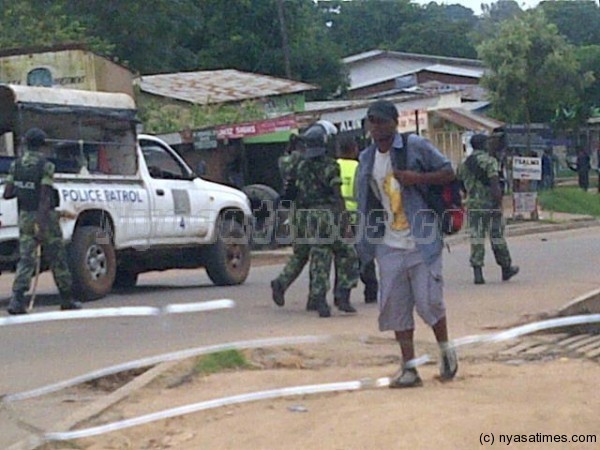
(93, 263)
(227, 261)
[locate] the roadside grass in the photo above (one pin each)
(570, 199)
(217, 362)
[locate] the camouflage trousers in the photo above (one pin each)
(488, 222)
(52, 246)
(300, 254)
(320, 230)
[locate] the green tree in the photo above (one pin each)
(589, 59)
(439, 30)
(492, 17)
(35, 23)
(362, 25)
(578, 21)
(246, 35)
(533, 70)
(151, 36)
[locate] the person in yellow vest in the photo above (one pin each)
(348, 162)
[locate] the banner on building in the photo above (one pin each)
(242, 130)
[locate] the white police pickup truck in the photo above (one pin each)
(129, 203)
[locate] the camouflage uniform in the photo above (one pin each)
(52, 240)
(484, 215)
(318, 225)
(288, 165)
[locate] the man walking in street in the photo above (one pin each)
(400, 231)
(479, 175)
(30, 180)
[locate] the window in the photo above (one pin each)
(161, 164)
(39, 77)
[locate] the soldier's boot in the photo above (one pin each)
(342, 301)
(278, 292)
(509, 272)
(478, 275)
(323, 307)
(17, 304)
(67, 303)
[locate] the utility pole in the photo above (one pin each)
(284, 40)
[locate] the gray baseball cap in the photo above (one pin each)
(383, 109)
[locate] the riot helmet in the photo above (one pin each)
(318, 139)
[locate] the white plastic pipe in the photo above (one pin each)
(173, 356)
(130, 311)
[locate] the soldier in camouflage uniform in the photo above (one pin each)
(320, 221)
(30, 181)
(479, 174)
(288, 165)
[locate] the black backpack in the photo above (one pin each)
(445, 200)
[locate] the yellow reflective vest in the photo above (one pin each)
(348, 173)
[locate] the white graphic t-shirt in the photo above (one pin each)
(397, 228)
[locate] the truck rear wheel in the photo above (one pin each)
(125, 279)
(93, 263)
(227, 261)
(264, 202)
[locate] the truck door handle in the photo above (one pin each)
(160, 192)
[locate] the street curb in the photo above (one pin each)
(97, 407)
(588, 303)
(512, 230)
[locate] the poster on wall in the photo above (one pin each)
(527, 168)
(524, 202)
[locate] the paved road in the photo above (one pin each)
(556, 267)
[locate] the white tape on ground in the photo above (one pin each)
(174, 356)
(198, 307)
(131, 311)
(515, 332)
(313, 389)
(217, 403)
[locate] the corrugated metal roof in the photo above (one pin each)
(378, 66)
(468, 119)
(431, 59)
(218, 86)
(454, 70)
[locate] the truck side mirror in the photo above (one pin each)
(201, 169)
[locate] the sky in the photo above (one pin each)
(475, 4)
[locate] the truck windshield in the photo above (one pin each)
(87, 132)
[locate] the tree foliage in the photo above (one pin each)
(31, 23)
(151, 36)
(533, 70)
(578, 20)
(589, 59)
(246, 35)
(158, 36)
